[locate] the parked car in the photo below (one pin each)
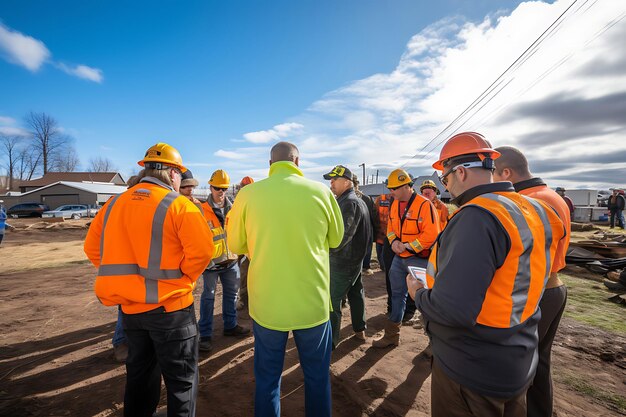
(603, 198)
(93, 210)
(27, 210)
(68, 211)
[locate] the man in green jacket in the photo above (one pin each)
(287, 224)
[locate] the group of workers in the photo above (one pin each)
(490, 303)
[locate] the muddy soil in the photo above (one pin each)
(56, 357)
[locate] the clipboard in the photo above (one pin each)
(419, 274)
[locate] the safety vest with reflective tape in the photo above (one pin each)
(221, 254)
(418, 225)
(383, 203)
(534, 231)
(141, 242)
(444, 213)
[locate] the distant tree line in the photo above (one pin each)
(45, 148)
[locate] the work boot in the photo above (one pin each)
(237, 331)
(391, 336)
(205, 344)
(121, 352)
(360, 336)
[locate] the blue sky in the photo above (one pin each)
(347, 81)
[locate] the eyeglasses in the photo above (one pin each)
(474, 164)
(187, 186)
(219, 188)
(394, 188)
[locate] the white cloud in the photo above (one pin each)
(22, 50)
(276, 133)
(13, 131)
(6, 120)
(83, 71)
(561, 105)
(32, 53)
(229, 155)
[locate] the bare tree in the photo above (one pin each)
(28, 161)
(9, 147)
(64, 161)
(101, 164)
(47, 136)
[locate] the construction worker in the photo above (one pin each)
(412, 228)
(346, 259)
(485, 276)
(570, 204)
(512, 166)
(373, 216)
(287, 224)
(616, 203)
(3, 220)
(150, 245)
(384, 254)
(223, 266)
(244, 263)
(430, 191)
(187, 186)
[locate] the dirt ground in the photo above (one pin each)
(56, 357)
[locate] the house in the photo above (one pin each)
(67, 192)
(54, 177)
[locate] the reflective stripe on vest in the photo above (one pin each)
(153, 273)
(523, 298)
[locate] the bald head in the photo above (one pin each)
(284, 151)
(512, 165)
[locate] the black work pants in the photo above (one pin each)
(161, 343)
(539, 396)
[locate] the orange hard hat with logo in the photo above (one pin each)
(162, 153)
(466, 143)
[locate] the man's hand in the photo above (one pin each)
(398, 247)
(413, 285)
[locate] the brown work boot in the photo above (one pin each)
(360, 336)
(391, 336)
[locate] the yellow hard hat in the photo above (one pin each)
(398, 178)
(220, 179)
(162, 153)
(428, 184)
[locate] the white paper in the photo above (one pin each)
(419, 274)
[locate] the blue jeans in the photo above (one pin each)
(119, 336)
(230, 286)
(397, 278)
(314, 348)
(368, 257)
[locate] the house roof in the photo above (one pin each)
(53, 177)
(96, 188)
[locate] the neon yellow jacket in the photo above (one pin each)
(286, 223)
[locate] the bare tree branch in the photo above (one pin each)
(48, 138)
(65, 160)
(101, 164)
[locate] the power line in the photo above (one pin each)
(531, 50)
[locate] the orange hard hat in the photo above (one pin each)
(246, 181)
(465, 143)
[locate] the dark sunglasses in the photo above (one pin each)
(219, 188)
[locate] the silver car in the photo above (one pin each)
(68, 211)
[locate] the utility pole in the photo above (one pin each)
(376, 176)
(363, 177)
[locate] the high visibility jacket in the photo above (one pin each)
(418, 225)
(383, 204)
(221, 254)
(444, 213)
(150, 245)
(534, 230)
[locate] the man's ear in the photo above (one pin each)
(297, 161)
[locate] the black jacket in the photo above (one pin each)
(616, 203)
(357, 233)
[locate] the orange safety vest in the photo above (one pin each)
(150, 245)
(444, 213)
(383, 204)
(221, 254)
(418, 225)
(534, 231)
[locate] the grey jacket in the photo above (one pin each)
(497, 362)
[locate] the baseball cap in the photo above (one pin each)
(339, 171)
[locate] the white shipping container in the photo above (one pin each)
(584, 198)
(586, 214)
